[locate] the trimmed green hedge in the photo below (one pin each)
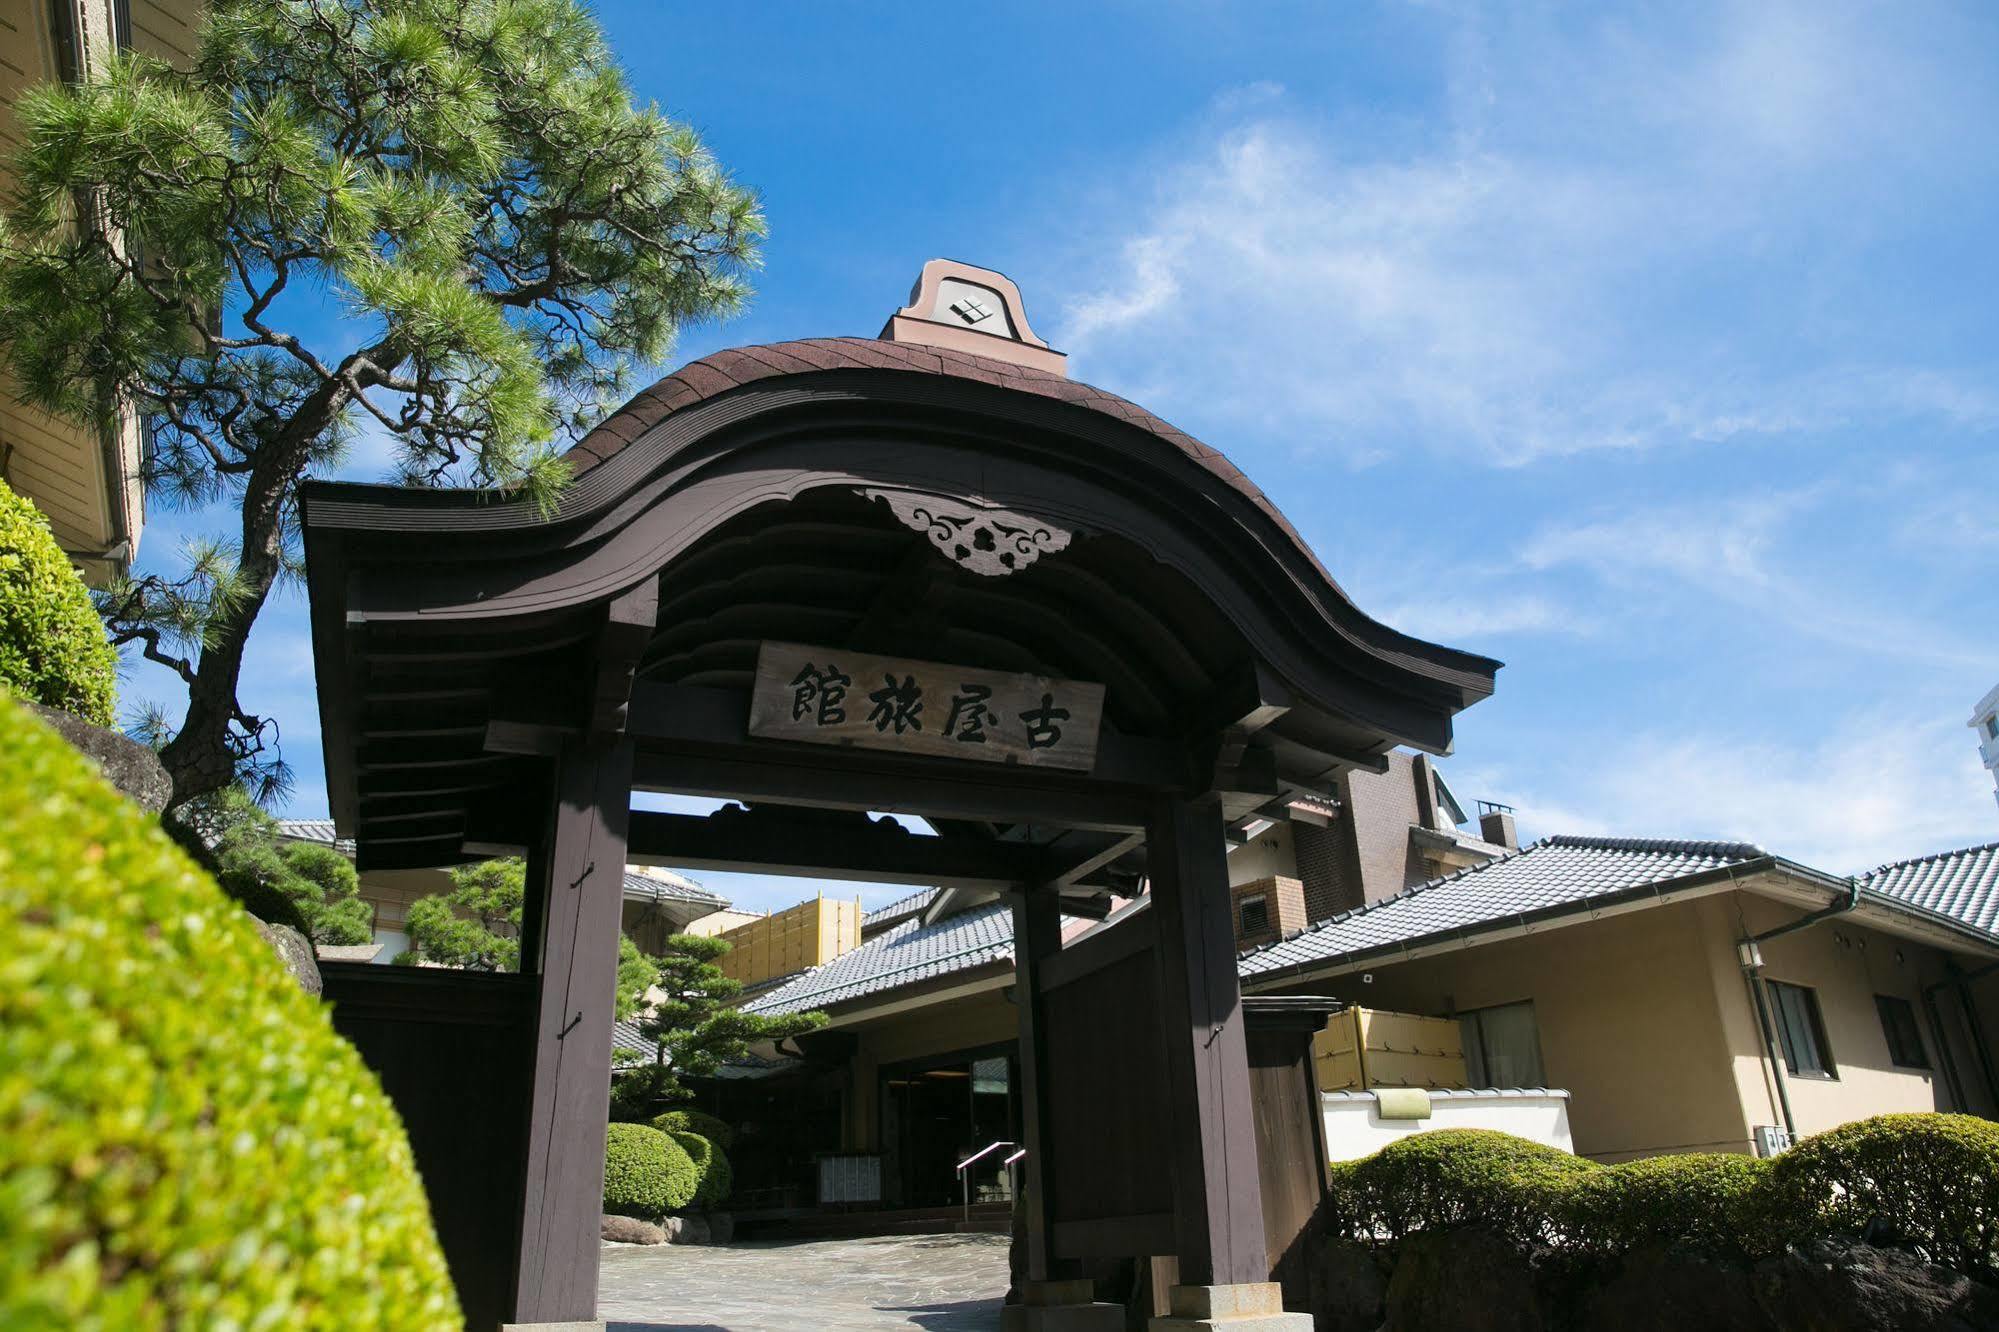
(711, 1164)
(184, 1140)
(52, 645)
(1931, 1180)
(717, 1131)
(646, 1173)
(1927, 1179)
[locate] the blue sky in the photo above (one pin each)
(1653, 354)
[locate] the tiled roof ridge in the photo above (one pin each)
(880, 943)
(1931, 858)
(1668, 846)
(1635, 845)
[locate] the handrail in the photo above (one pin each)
(965, 1180)
(986, 1150)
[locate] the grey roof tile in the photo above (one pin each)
(899, 909)
(906, 954)
(1551, 873)
(1963, 884)
(679, 888)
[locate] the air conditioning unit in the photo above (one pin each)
(1771, 1140)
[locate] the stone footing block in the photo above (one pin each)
(574, 1325)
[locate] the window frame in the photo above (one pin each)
(1477, 1018)
(1884, 1004)
(1814, 1031)
(1242, 905)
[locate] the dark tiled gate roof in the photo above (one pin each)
(712, 376)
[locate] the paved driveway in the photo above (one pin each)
(944, 1283)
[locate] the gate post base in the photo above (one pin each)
(1061, 1306)
(1250, 1307)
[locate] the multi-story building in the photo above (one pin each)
(1985, 721)
(84, 478)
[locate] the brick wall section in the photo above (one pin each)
(1323, 859)
(1378, 809)
(1284, 899)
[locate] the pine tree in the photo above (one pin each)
(477, 927)
(695, 1028)
(507, 233)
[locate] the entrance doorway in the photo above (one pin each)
(940, 1111)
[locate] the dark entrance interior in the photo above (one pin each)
(938, 1112)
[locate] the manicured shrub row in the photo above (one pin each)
(717, 1131)
(711, 1164)
(646, 1173)
(52, 645)
(185, 1142)
(1925, 1179)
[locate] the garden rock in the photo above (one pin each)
(687, 1230)
(631, 1230)
(295, 951)
(1349, 1286)
(1665, 1290)
(1467, 1280)
(1827, 1288)
(128, 765)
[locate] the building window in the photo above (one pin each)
(1992, 727)
(1898, 1024)
(1253, 915)
(1801, 1031)
(1502, 1047)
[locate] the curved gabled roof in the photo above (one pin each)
(719, 480)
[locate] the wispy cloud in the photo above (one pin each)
(1877, 787)
(1735, 553)
(1515, 285)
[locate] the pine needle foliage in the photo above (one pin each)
(506, 232)
(695, 1028)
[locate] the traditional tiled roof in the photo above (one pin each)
(1551, 874)
(314, 830)
(900, 909)
(678, 888)
(725, 371)
(1963, 885)
(903, 955)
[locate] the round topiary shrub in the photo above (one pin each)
(52, 645)
(184, 1140)
(646, 1173)
(1446, 1178)
(717, 1131)
(711, 1165)
(1928, 1179)
(1713, 1203)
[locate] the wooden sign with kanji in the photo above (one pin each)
(830, 696)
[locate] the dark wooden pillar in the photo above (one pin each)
(557, 1275)
(1217, 1206)
(1037, 936)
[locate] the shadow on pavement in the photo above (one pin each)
(960, 1316)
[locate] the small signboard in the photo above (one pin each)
(830, 696)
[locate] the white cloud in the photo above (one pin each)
(1453, 619)
(1733, 554)
(1514, 285)
(1874, 788)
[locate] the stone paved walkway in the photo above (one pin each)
(942, 1283)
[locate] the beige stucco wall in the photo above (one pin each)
(1271, 852)
(1847, 965)
(1645, 1019)
(62, 466)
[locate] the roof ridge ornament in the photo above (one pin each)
(983, 539)
(966, 308)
